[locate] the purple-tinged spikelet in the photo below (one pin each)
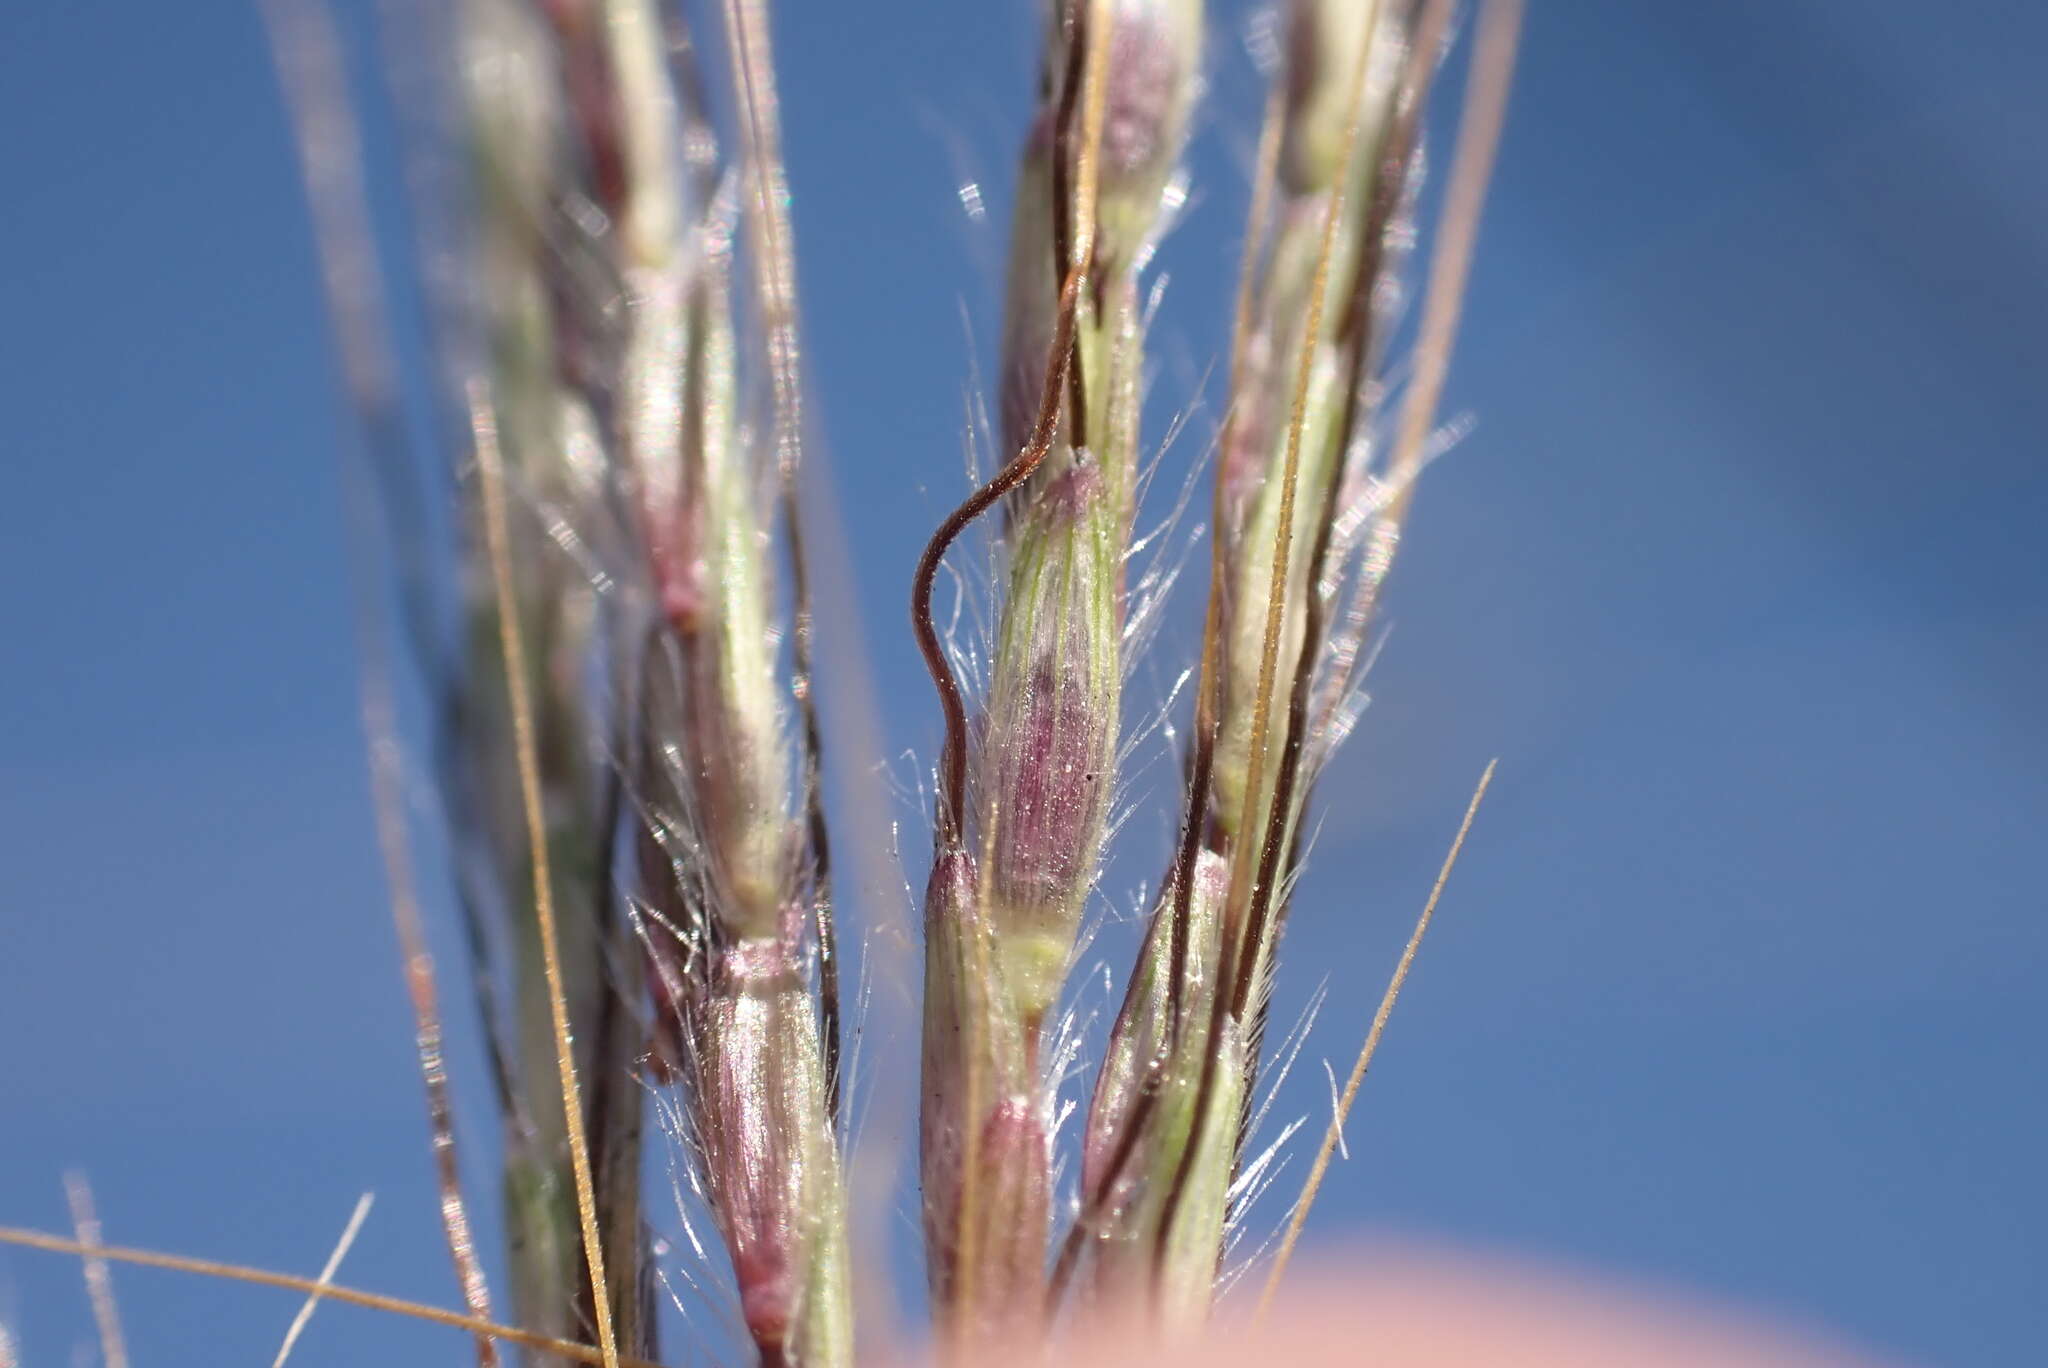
(983, 1137)
(1048, 748)
(1154, 77)
(767, 1151)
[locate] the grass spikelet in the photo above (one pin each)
(733, 872)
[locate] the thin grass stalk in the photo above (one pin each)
(1333, 1134)
(566, 1350)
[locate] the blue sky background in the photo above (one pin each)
(1739, 987)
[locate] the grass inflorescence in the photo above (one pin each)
(616, 640)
